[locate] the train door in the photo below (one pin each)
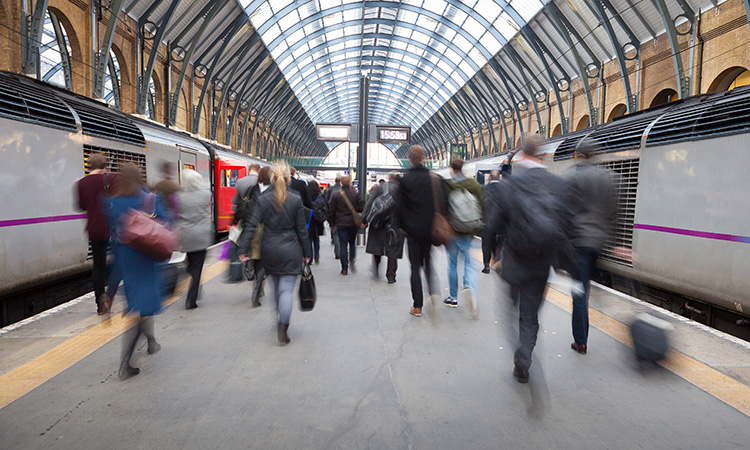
(226, 176)
(187, 161)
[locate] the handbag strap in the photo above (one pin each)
(348, 203)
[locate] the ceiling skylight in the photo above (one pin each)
(417, 53)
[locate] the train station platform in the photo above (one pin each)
(360, 372)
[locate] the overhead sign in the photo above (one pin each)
(396, 135)
(329, 132)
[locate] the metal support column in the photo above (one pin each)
(34, 41)
(364, 93)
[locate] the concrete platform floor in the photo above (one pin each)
(361, 372)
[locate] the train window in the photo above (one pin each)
(188, 166)
(229, 177)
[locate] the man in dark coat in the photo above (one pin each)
(327, 196)
(89, 191)
(384, 238)
(593, 205)
(527, 273)
(414, 214)
(340, 214)
(490, 240)
(301, 187)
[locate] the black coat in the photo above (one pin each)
(301, 188)
(317, 228)
(379, 242)
(339, 213)
(285, 241)
(414, 203)
(517, 268)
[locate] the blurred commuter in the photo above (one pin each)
(285, 244)
(300, 186)
(415, 208)
(140, 273)
(491, 241)
(384, 237)
(465, 214)
(531, 213)
(166, 189)
(244, 184)
(327, 194)
(593, 207)
(319, 217)
(194, 224)
(91, 192)
(255, 262)
(344, 205)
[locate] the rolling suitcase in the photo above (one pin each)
(650, 339)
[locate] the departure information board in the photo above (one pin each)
(394, 134)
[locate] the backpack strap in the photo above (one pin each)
(106, 185)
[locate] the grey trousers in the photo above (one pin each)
(283, 293)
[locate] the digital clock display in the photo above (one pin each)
(393, 135)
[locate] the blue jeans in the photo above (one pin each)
(347, 245)
(461, 244)
(283, 291)
(585, 261)
(315, 241)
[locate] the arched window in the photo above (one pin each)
(583, 123)
(729, 79)
(150, 100)
(556, 131)
(55, 53)
(664, 97)
(617, 111)
(112, 81)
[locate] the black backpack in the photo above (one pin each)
(320, 210)
(534, 228)
(243, 207)
(381, 210)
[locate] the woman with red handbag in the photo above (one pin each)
(140, 271)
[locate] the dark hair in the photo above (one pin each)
(264, 175)
(531, 145)
(346, 181)
(292, 170)
(313, 188)
(98, 161)
(338, 178)
(166, 167)
(457, 164)
(129, 182)
(255, 167)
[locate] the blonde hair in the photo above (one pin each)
(192, 180)
(280, 175)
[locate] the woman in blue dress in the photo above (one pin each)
(140, 273)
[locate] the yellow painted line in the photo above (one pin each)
(710, 380)
(29, 376)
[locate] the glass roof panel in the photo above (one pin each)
(431, 47)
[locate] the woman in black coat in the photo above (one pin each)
(285, 245)
(384, 238)
(317, 227)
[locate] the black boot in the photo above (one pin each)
(282, 332)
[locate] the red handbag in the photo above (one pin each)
(140, 230)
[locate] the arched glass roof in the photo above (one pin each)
(417, 53)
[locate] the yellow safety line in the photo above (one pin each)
(32, 374)
(710, 380)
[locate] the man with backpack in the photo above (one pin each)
(530, 211)
(491, 243)
(384, 237)
(465, 214)
(241, 204)
(243, 186)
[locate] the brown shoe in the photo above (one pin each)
(416, 312)
(579, 348)
(105, 304)
(344, 272)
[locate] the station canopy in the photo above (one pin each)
(443, 67)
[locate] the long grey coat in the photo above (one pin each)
(194, 219)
